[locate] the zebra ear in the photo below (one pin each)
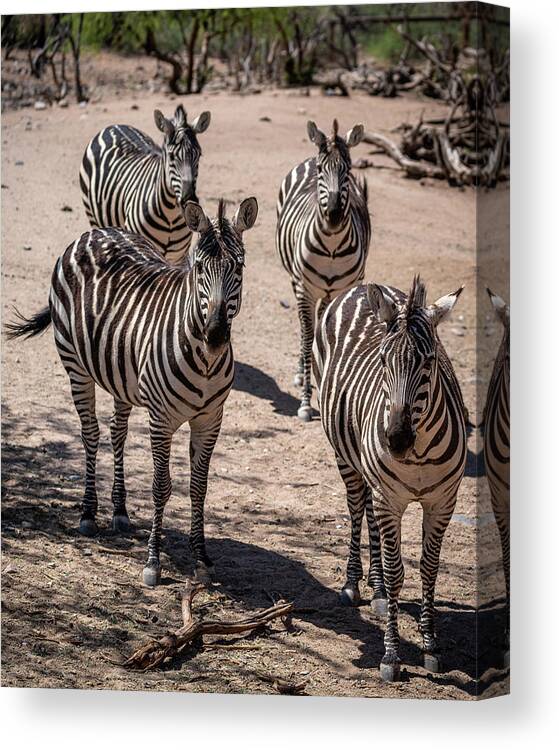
(180, 116)
(355, 135)
(316, 136)
(202, 122)
(195, 217)
(442, 308)
(501, 308)
(163, 124)
(246, 215)
(382, 305)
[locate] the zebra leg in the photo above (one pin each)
(389, 520)
(83, 393)
(203, 436)
(376, 575)
(356, 493)
(435, 522)
(119, 431)
(305, 309)
(160, 436)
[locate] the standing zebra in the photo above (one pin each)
(152, 335)
(392, 409)
(129, 181)
(496, 446)
(323, 234)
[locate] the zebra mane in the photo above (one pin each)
(417, 297)
(335, 128)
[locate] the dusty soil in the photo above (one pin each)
(277, 519)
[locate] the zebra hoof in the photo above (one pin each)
(433, 663)
(390, 670)
(305, 413)
(298, 379)
(121, 524)
(88, 527)
(204, 573)
(152, 575)
(379, 606)
(350, 597)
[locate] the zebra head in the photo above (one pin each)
(408, 356)
(181, 152)
(333, 166)
(217, 268)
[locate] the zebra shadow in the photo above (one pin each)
(252, 380)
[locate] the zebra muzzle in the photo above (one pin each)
(400, 433)
(217, 332)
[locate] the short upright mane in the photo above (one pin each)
(417, 297)
(220, 213)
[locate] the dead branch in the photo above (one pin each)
(154, 652)
(284, 687)
(411, 167)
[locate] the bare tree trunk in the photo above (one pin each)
(190, 54)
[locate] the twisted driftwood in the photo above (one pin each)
(154, 652)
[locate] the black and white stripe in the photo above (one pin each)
(496, 445)
(128, 181)
(392, 409)
(152, 335)
(323, 234)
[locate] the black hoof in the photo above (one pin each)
(350, 597)
(88, 527)
(379, 606)
(204, 573)
(433, 663)
(121, 524)
(390, 670)
(152, 575)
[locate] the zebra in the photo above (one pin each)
(392, 409)
(128, 181)
(496, 447)
(156, 336)
(323, 234)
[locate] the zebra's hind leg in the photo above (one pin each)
(435, 522)
(83, 393)
(203, 435)
(379, 603)
(305, 309)
(160, 436)
(119, 431)
(356, 497)
(389, 519)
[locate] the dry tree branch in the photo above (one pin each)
(154, 652)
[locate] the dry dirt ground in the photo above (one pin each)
(277, 520)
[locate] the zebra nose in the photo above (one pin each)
(188, 192)
(217, 330)
(400, 433)
(334, 207)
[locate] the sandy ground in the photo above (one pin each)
(277, 520)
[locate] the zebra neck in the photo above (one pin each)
(165, 202)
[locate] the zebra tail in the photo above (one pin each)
(28, 327)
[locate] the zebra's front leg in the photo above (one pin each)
(203, 435)
(305, 308)
(356, 495)
(375, 579)
(389, 520)
(435, 521)
(83, 393)
(119, 431)
(160, 436)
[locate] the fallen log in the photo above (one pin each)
(154, 652)
(414, 169)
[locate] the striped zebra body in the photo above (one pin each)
(155, 336)
(128, 181)
(392, 410)
(496, 444)
(323, 234)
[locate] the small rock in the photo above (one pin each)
(301, 111)
(87, 552)
(73, 477)
(83, 104)
(27, 247)
(63, 103)
(265, 118)
(66, 208)
(40, 105)
(284, 303)
(4, 187)
(19, 163)
(457, 331)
